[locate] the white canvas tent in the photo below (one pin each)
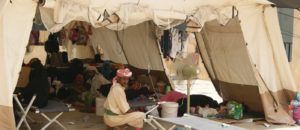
(266, 72)
(237, 75)
(15, 25)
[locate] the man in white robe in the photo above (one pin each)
(117, 109)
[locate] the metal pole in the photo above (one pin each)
(188, 96)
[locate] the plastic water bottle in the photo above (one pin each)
(167, 89)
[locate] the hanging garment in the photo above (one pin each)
(166, 43)
(179, 43)
(184, 43)
(176, 43)
(51, 45)
(79, 34)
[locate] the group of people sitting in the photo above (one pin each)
(68, 84)
(86, 83)
(82, 86)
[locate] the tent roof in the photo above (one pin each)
(286, 3)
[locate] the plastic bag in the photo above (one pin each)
(234, 110)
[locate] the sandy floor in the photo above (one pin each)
(90, 121)
(72, 121)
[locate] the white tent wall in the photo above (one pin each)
(269, 71)
(36, 52)
(165, 13)
(230, 63)
(135, 45)
(107, 40)
(295, 63)
(261, 31)
(3, 4)
(79, 51)
(140, 46)
(74, 51)
(262, 35)
(15, 25)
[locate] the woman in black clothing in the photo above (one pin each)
(38, 84)
(196, 100)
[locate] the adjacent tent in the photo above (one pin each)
(245, 72)
(245, 58)
(286, 3)
(15, 26)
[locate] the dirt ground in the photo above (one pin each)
(72, 121)
(90, 121)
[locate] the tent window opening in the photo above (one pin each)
(288, 49)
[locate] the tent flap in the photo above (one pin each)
(136, 45)
(15, 25)
(228, 61)
(250, 62)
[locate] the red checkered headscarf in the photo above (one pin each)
(122, 73)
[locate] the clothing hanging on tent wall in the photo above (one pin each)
(166, 43)
(179, 42)
(79, 34)
(176, 42)
(51, 45)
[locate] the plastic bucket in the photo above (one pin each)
(99, 106)
(169, 109)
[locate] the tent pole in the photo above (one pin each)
(149, 67)
(188, 96)
(164, 66)
(151, 77)
(162, 61)
(152, 84)
(119, 41)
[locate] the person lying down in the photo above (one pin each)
(117, 110)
